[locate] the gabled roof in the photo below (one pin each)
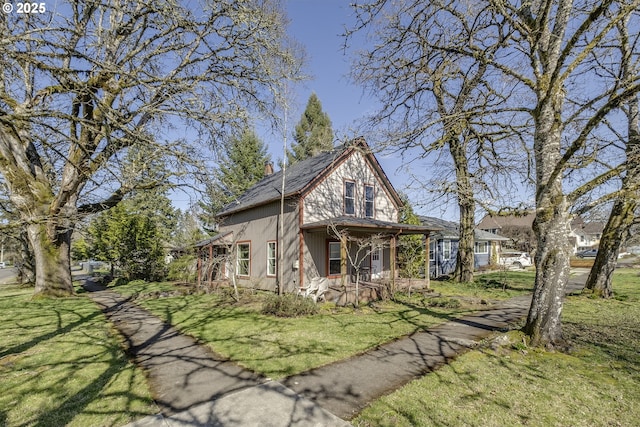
(218, 238)
(303, 175)
(491, 222)
(451, 230)
(580, 226)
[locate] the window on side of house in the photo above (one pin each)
(432, 250)
(349, 198)
(482, 247)
(334, 258)
(271, 258)
(446, 249)
(369, 195)
(244, 259)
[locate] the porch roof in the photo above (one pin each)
(218, 239)
(368, 225)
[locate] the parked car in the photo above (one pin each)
(589, 253)
(2, 265)
(516, 259)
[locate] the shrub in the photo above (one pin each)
(443, 302)
(288, 305)
(118, 282)
(183, 269)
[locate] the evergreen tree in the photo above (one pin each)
(411, 255)
(188, 230)
(313, 133)
(132, 235)
(130, 241)
(242, 164)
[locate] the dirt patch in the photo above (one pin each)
(581, 263)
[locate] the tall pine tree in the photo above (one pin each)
(313, 133)
(242, 164)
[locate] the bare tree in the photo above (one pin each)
(431, 70)
(623, 212)
(545, 60)
(85, 82)
(358, 249)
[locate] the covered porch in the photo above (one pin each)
(350, 251)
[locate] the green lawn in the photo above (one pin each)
(61, 364)
(279, 347)
(597, 384)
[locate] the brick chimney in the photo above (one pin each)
(268, 169)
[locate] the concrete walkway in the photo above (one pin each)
(193, 386)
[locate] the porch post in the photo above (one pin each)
(210, 269)
(392, 256)
(343, 259)
(199, 267)
(427, 266)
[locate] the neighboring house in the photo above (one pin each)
(518, 228)
(443, 246)
(329, 200)
(585, 235)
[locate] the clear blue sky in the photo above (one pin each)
(318, 25)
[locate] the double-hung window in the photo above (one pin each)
(349, 198)
(271, 258)
(334, 258)
(482, 248)
(446, 249)
(368, 201)
(244, 259)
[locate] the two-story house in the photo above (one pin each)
(333, 202)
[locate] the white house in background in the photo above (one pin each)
(585, 235)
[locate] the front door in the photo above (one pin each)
(376, 264)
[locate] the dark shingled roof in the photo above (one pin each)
(298, 177)
(490, 222)
(218, 237)
(451, 230)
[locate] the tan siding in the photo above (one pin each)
(260, 225)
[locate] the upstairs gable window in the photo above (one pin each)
(368, 201)
(349, 198)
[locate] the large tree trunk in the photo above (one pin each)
(551, 228)
(465, 256)
(623, 211)
(552, 273)
(48, 219)
(52, 253)
(613, 236)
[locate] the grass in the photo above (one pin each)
(277, 346)
(490, 286)
(596, 384)
(61, 364)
